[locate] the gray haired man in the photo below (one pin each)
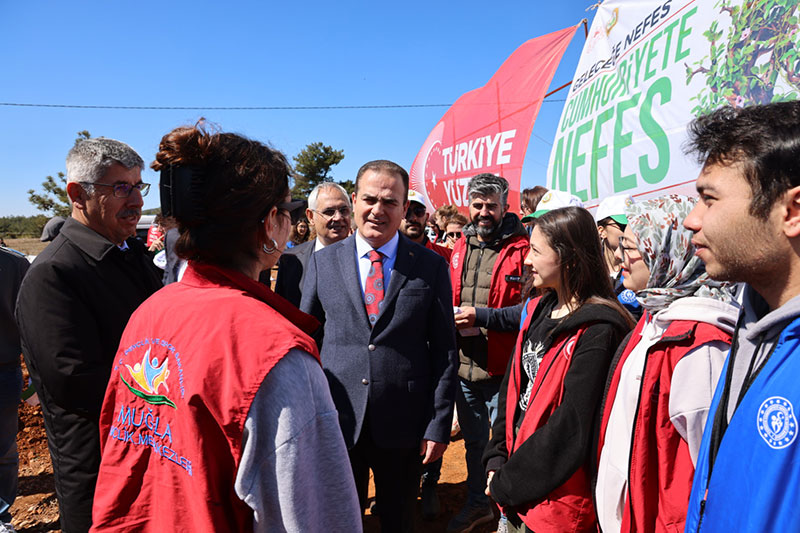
(329, 212)
(73, 305)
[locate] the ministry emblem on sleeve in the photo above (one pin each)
(776, 422)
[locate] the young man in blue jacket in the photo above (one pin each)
(747, 229)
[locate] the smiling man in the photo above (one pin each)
(747, 229)
(73, 306)
(388, 348)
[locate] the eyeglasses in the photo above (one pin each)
(453, 234)
(122, 190)
(293, 209)
(329, 213)
(624, 248)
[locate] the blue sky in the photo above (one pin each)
(257, 54)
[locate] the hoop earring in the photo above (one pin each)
(272, 250)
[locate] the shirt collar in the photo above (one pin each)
(92, 243)
(389, 250)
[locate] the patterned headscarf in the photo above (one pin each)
(667, 250)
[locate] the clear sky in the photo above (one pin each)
(223, 54)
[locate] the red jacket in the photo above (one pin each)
(569, 507)
(661, 470)
(502, 293)
(189, 364)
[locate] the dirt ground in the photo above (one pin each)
(36, 510)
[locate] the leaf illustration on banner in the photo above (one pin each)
(758, 52)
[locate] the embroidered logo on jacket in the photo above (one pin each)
(150, 377)
(776, 422)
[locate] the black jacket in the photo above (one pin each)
(73, 305)
(12, 270)
(292, 271)
(555, 451)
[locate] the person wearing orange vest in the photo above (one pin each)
(217, 416)
(537, 463)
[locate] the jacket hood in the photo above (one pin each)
(510, 226)
(586, 314)
(715, 312)
(759, 321)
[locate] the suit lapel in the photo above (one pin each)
(402, 268)
(351, 277)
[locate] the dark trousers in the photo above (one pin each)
(74, 443)
(396, 474)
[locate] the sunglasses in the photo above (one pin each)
(453, 234)
(416, 211)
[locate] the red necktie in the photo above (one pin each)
(373, 290)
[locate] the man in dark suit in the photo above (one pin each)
(389, 355)
(329, 212)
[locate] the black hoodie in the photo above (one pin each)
(555, 451)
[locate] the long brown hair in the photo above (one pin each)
(572, 233)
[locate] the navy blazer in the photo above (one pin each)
(405, 368)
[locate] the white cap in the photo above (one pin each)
(414, 196)
(614, 207)
(553, 199)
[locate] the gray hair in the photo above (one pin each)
(89, 159)
(488, 185)
(312, 197)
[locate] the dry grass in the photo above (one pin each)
(29, 246)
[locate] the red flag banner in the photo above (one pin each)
(488, 129)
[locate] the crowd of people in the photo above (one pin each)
(630, 370)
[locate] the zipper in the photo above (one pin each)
(475, 295)
(702, 509)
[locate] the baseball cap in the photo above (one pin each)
(614, 207)
(553, 199)
(414, 196)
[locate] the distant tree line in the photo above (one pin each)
(19, 226)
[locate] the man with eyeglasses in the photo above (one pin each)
(73, 306)
(413, 224)
(329, 213)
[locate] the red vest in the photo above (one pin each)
(569, 507)
(502, 293)
(661, 470)
(189, 364)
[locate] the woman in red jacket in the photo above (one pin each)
(537, 461)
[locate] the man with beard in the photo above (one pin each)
(73, 306)
(747, 229)
(415, 221)
(329, 212)
(486, 271)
